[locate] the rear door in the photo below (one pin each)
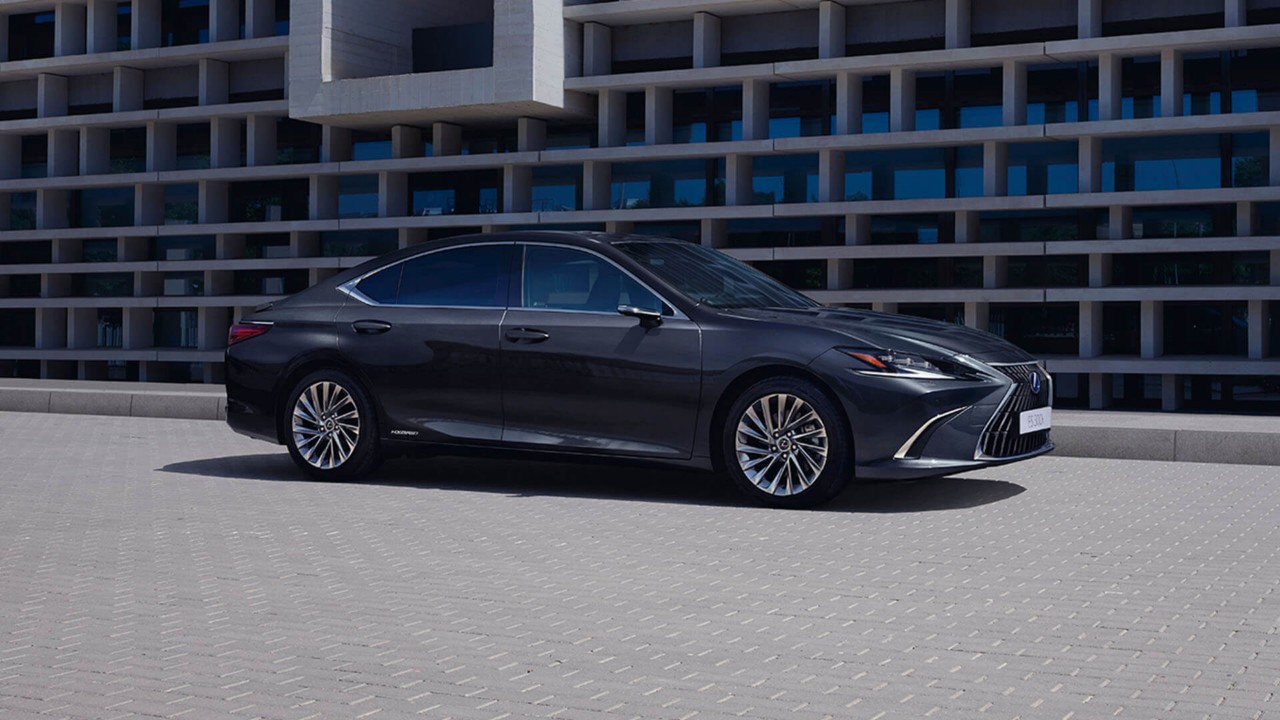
(425, 333)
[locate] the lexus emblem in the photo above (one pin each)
(1035, 383)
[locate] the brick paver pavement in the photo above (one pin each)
(162, 568)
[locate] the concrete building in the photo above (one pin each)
(1096, 180)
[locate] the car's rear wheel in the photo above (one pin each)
(787, 444)
(332, 427)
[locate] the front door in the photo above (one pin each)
(428, 341)
(578, 375)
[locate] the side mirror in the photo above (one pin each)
(648, 318)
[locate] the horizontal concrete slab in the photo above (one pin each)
(83, 397)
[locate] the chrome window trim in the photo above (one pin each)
(676, 313)
(349, 289)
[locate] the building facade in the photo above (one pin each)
(1095, 180)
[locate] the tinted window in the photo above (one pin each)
(465, 277)
(382, 286)
(712, 277)
(565, 279)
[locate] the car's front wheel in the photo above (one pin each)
(332, 427)
(787, 444)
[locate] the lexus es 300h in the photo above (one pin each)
(588, 344)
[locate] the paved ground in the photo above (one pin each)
(168, 568)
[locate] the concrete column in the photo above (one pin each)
(51, 95)
(446, 139)
(1091, 332)
(902, 100)
(1099, 391)
(1170, 393)
(596, 179)
(1152, 324)
(597, 49)
(857, 229)
(304, 244)
(82, 328)
(137, 328)
(1121, 222)
(146, 24)
(1259, 329)
(1246, 218)
(612, 114)
(1275, 267)
(885, 307)
(995, 169)
(95, 150)
(995, 271)
(224, 142)
(1237, 14)
(848, 104)
(100, 26)
(393, 194)
(259, 18)
(839, 273)
(51, 209)
(148, 204)
(1274, 147)
(737, 182)
(10, 158)
(531, 134)
(6, 223)
(66, 250)
(517, 188)
(1170, 82)
(162, 146)
(212, 196)
(968, 227)
(977, 315)
(1089, 18)
(229, 247)
(1109, 85)
(958, 20)
(831, 29)
(335, 144)
(214, 83)
(260, 143)
(620, 227)
(322, 199)
(706, 40)
(51, 328)
(715, 233)
(1015, 92)
(1099, 270)
(69, 22)
(755, 110)
(1089, 164)
(63, 152)
(406, 141)
(831, 176)
(657, 115)
(224, 20)
(126, 89)
(4, 37)
(133, 249)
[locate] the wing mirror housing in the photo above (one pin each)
(648, 318)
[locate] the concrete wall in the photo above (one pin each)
(254, 75)
(369, 39)
(997, 16)
(89, 89)
(653, 40)
(895, 21)
(1121, 10)
(774, 31)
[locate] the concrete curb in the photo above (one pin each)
(1230, 439)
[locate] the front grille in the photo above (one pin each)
(1002, 439)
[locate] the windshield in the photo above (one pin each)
(712, 277)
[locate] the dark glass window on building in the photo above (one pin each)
(913, 273)
(913, 174)
(176, 328)
(270, 282)
(802, 109)
(1255, 84)
(31, 36)
(943, 312)
(99, 250)
(1201, 268)
(453, 47)
(799, 274)
(1045, 329)
(26, 252)
(103, 285)
(370, 145)
(1184, 221)
(1140, 87)
(571, 137)
(184, 22)
(184, 247)
(282, 18)
(181, 204)
(557, 188)
(297, 141)
(663, 183)
(1043, 168)
(1203, 79)
(1206, 328)
(689, 231)
(1062, 92)
(1250, 159)
(124, 25)
(183, 283)
(959, 99)
(128, 150)
(1048, 271)
(267, 245)
(1121, 328)
(35, 156)
(1038, 226)
(357, 196)
(357, 243)
(712, 115)
(784, 179)
(18, 328)
(470, 192)
(1232, 393)
(24, 286)
(22, 211)
(268, 201)
(785, 232)
(484, 141)
(101, 207)
(912, 229)
(875, 104)
(1189, 162)
(110, 328)
(193, 146)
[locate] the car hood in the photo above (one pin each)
(895, 332)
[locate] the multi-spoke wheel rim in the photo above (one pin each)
(326, 425)
(781, 444)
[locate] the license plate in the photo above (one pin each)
(1035, 420)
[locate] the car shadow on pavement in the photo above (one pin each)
(530, 478)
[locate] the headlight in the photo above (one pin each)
(892, 363)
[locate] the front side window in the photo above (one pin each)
(567, 279)
(713, 278)
(463, 277)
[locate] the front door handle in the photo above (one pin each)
(527, 336)
(370, 327)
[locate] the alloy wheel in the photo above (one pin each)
(781, 444)
(326, 425)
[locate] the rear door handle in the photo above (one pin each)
(527, 336)
(370, 327)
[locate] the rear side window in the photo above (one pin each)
(382, 286)
(464, 277)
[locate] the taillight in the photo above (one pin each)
(243, 331)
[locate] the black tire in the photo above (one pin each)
(833, 475)
(366, 455)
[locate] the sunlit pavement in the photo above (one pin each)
(169, 568)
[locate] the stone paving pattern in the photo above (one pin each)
(169, 568)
